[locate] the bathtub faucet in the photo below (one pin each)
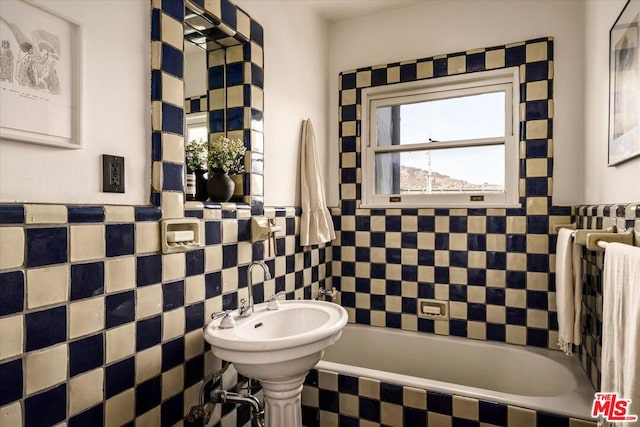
(246, 307)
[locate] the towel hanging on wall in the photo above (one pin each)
(316, 225)
(621, 324)
(568, 291)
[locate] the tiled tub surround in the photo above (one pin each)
(98, 327)
(623, 217)
(333, 399)
(494, 266)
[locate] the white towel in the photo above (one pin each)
(621, 324)
(316, 225)
(568, 291)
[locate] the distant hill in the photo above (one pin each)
(414, 180)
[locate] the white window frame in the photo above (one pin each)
(506, 80)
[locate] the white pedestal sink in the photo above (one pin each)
(278, 348)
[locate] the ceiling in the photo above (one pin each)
(343, 10)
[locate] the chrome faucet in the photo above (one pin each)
(246, 308)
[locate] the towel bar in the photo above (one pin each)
(597, 241)
(580, 236)
(571, 226)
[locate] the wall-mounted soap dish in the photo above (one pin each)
(180, 235)
(433, 309)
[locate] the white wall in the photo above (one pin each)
(296, 88)
(441, 27)
(301, 81)
(619, 184)
(116, 117)
(195, 71)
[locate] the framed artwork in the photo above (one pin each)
(40, 75)
(624, 85)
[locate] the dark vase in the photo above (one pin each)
(219, 186)
(201, 185)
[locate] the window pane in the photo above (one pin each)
(197, 133)
(451, 170)
(451, 119)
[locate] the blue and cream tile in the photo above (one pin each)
(120, 342)
(45, 214)
(85, 391)
(172, 382)
(465, 407)
(45, 246)
(229, 231)
(193, 344)
(46, 408)
(120, 274)
(86, 316)
(521, 416)
(172, 90)
(516, 225)
(516, 334)
(148, 301)
(150, 418)
(194, 289)
(119, 214)
(120, 409)
(12, 243)
(12, 414)
(47, 285)
(11, 336)
(173, 324)
(244, 253)
(147, 237)
(173, 267)
(45, 328)
(148, 270)
(148, 364)
(477, 330)
(12, 214)
(86, 242)
(172, 204)
(172, 148)
(213, 258)
(45, 368)
(12, 381)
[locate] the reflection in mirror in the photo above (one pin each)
(223, 80)
(196, 132)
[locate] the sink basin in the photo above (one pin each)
(278, 348)
(299, 328)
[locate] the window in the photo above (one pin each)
(197, 127)
(443, 142)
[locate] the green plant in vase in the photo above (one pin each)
(196, 161)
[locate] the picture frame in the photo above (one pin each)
(40, 75)
(624, 85)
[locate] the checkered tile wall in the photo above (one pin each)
(97, 327)
(623, 217)
(494, 266)
(235, 98)
(196, 104)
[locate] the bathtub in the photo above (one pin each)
(539, 379)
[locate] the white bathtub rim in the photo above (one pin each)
(576, 403)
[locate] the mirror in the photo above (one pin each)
(196, 132)
(234, 83)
